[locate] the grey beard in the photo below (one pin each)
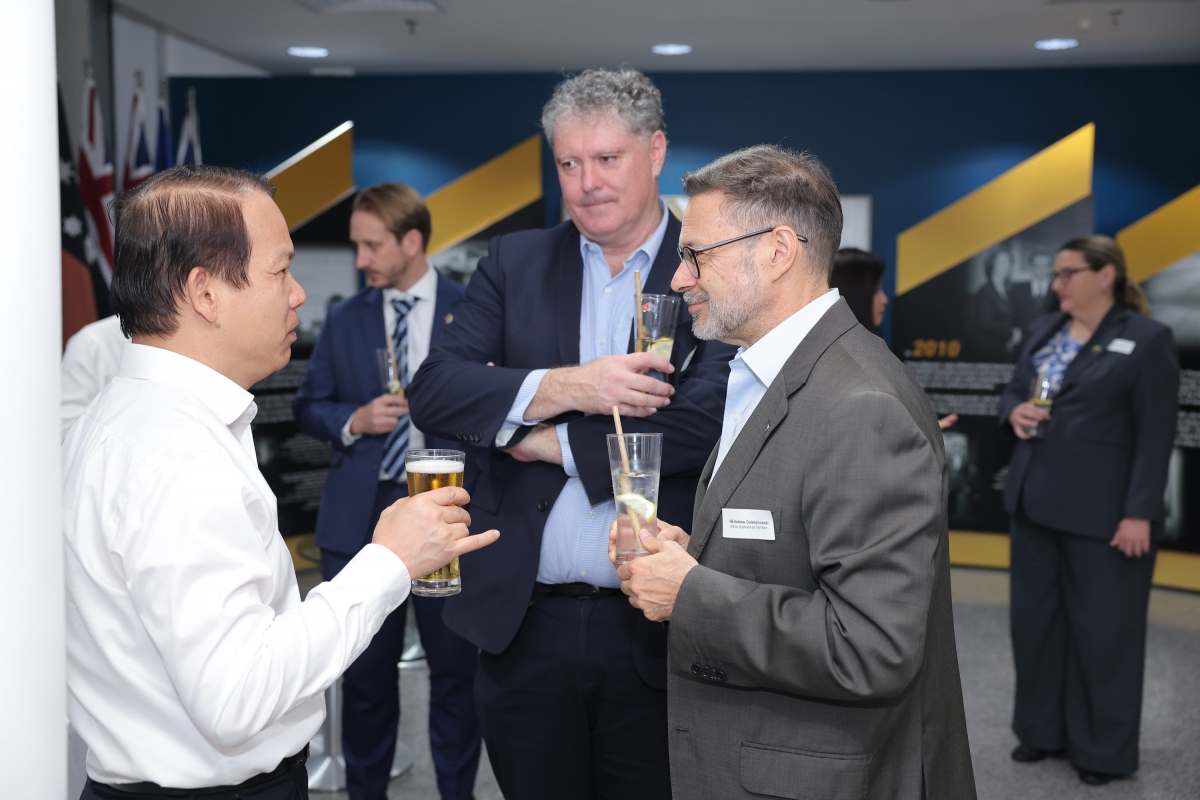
(724, 317)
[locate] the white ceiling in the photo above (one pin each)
(552, 35)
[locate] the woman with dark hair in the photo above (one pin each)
(1085, 495)
(858, 277)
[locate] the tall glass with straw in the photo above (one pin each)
(635, 461)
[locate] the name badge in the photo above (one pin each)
(747, 523)
(1122, 346)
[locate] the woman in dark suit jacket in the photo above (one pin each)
(1087, 507)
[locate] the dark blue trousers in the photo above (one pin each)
(1079, 644)
(565, 714)
(371, 692)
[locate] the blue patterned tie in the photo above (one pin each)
(397, 441)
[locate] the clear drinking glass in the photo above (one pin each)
(658, 312)
(429, 470)
(635, 461)
(389, 376)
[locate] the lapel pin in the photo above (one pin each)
(1096, 348)
(449, 318)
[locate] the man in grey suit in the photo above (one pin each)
(811, 644)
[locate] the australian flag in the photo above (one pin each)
(138, 163)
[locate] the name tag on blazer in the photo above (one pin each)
(747, 523)
(1122, 346)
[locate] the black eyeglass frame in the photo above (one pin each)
(688, 254)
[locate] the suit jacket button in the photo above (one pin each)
(543, 505)
(696, 669)
(720, 675)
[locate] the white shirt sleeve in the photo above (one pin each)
(80, 381)
(516, 414)
(349, 438)
(200, 580)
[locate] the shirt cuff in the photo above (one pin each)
(378, 567)
(349, 438)
(568, 458)
(516, 414)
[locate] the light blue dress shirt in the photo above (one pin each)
(753, 369)
(575, 539)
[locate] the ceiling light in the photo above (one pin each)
(373, 6)
(1056, 44)
(671, 49)
(308, 52)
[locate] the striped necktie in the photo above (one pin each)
(397, 441)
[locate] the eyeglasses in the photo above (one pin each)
(688, 254)
(1064, 275)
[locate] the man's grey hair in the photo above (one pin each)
(626, 93)
(767, 185)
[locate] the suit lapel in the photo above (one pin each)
(441, 308)
(569, 296)
(1091, 352)
(370, 332)
(765, 420)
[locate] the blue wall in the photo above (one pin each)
(915, 141)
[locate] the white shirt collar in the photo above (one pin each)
(423, 289)
(649, 247)
(148, 363)
(766, 357)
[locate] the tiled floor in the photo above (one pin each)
(1170, 738)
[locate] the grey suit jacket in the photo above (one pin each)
(822, 665)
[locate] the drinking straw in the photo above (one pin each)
(623, 479)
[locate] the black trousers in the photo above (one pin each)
(1079, 642)
(291, 785)
(565, 714)
(371, 693)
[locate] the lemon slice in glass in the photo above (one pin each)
(662, 347)
(638, 505)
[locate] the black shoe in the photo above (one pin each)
(1027, 755)
(1095, 778)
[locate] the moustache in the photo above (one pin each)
(692, 298)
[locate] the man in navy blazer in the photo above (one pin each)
(571, 681)
(342, 400)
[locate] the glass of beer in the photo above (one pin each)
(429, 470)
(659, 313)
(635, 461)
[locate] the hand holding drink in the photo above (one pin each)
(430, 530)
(433, 471)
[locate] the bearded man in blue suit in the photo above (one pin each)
(343, 400)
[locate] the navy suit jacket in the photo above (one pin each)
(342, 375)
(522, 313)
(1112, 426)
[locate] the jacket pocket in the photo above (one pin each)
(802, 774)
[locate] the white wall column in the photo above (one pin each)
(33, 740)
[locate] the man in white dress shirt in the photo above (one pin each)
(192, 662)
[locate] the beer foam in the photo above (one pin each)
(433, 467)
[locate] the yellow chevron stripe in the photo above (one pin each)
(317, 178)
(486, 195)
(1037, 188)
(1163, 237)
(1172, 570)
